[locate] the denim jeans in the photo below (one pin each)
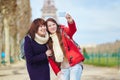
(72, 73)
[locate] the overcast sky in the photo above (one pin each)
(98, 21)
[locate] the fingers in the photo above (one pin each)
(69, 18)
(49, 53)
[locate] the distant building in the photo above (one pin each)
(103, 48)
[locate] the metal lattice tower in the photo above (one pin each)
(49, 9)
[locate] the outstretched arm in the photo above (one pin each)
(71, 25)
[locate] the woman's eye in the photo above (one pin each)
(49, 26)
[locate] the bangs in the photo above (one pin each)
(40, 23)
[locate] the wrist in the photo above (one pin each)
(70, 21)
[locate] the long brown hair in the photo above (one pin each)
(34, 26)
(59, 34)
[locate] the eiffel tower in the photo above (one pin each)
(49, 10)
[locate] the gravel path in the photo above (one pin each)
(18, 72)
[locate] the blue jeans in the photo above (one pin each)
(72, 73)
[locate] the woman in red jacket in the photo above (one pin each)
(66, 53)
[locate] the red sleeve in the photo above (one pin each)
(71, 29)
(54, 66)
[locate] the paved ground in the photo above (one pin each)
(14, 72)
(18, 72)
(100, 73)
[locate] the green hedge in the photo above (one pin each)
(103, 59)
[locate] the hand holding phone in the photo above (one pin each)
(69, 18)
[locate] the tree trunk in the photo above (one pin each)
(7, 41)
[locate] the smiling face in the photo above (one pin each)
(52, 27)
(41, 30)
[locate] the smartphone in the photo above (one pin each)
(62, 14)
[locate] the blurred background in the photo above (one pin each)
(97, 21)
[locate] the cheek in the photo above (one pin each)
(39, 30)
(49, 29)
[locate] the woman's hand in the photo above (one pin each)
(69, 18)
(49, 52)
(60, 75)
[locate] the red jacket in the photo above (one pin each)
(71, 50)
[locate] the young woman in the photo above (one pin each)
(66, 53)
(36, 51)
